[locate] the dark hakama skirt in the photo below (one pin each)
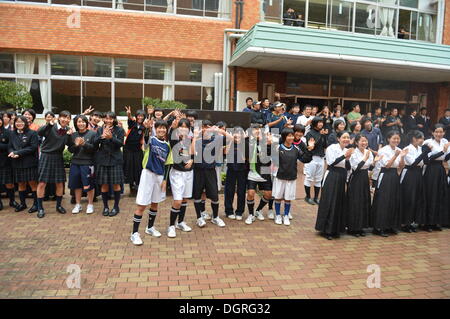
(386, 205)
(358, 201)
(413, 196)
(330, 216)
(132, 166)
(436, 188)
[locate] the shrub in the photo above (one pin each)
(15, 95)
(157, 103)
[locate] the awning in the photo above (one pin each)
(275, 47)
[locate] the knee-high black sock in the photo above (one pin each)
(215, 208)
(198, 208)
(136, 222)
(40, 204)
(11, 195)
(316, 192)
(173, 216)
(34, 198)
(151, 217)
(58, 201)
(22, 196)
(251, 206)
(182, 212)
(202, 206)
(105, 199)
(263, 202)
(271, 203)
(116, 199)
(308, 191)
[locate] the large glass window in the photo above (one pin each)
(317, 14)
(98, 3)
(271, 10)
(130, 4)
(159, 5)
(346, 86)
(185, 71)
(307, 84)
(341, 17)
(407, 24)
(409, 3)
(365, 18)
(128, 68)
(66, 95)
(153, 91)
(426, 27)
(6, 63)
(189, 95)
(386, 21)
(208, 98)
(96, 66)
(65, 65)
(128, 94)
(97, 94)
(155, 70)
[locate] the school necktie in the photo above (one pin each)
(61, 132)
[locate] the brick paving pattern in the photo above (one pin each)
(262, 260)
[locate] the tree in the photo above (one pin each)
(14, 95)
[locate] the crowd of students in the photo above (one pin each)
(402, 158)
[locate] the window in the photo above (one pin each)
(66, 95)
(155, 70)
(346, 86)
(97, 94)
(208, 98)
(407, 22)
(185, 71)
(189, 95)
(317, 14)
(365, 18)
(426, 27)
(98, 3)
(272, 10)
(128, 94)
(130, 4)
(65, 65)
(387, 22)
(153, 91)
(158, 5)
(307, 84)
(96, 66)
(389, 90)
(128, 68)
(70, 2)
(341, 17)
(409, 3)
(7, 63)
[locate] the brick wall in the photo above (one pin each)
(109, 33)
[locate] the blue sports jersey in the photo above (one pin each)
(158, 155)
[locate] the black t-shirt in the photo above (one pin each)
(181, 152)
(135, 134)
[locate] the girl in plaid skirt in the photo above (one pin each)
(6, 176)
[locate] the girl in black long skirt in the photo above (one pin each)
(133, 154)
(358, 191)
(386, 205)
(411, 181)
(435, 181)
(6, 175)
(330, 217)
(23, 151)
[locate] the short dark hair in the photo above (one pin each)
(32, 113)
(422, 108)
(83, 117)
(113, 116)
(97, 113)
(341, 133)
(336, 124)
(392, 133)
(23, 119)
(192, 113)
(415, 134)
(159, 123)
(299, 128)
(353, 125)
(49, 113)
(64, 113)
(206, 123)
(358, 137)
(284, 133)
(248, 99)
(221, 124)
(184, 121)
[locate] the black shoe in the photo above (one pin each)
(354, 233)
(41, 213)
(1, 205)
(114, 212)
(413, 229)
(316, 200)
(309, 201)
(72, 200)
(60, 210)
(436, 227)
(407, 229)
(392, 231)
(328, 236)
(13, 204)
(95, 200)
(20, 207)
(362, 234)
(33, 209)
(105, 211)
(46, 199)
(380, 233)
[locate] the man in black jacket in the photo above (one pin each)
(446, 122)
(423, 122)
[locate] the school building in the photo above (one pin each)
(212, 54)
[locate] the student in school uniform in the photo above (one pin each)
(51, 162)
(331, 213)
(358, 201)
(23, 151)
(109, 161)
(133, 154)
(181, 175)
(30, 114)
(152, 188)
(259, 175)
(81, 174)
(314, 170)
(8, 124)
(284, 184)
(387, 204)
(237, 172)
(50, 188)
(338, 126)
(435, 180)
(6, 174)
(411, 182)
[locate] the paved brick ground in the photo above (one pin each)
(263, 260)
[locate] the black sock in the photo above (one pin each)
(39, 203)
(316, 192)
(11, 196)
(308, 191)
(116, 199)
(105, 199)
(263, 202)
(251, 206)
(271, 203)
(198, 208)
(182, 212)
(58, 201)
(34, 199)
(215, 208)
(173, 216)
(202, 206)
(22, 196)
(136, 222)
(151, 217)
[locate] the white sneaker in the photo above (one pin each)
(77, 209)
(290, 216)
(90, 209)
(250, 219)
(201, 222)
(152, 231)
(232, 216)
(205, 215)
(259, 215)
(218, 222)
(238, 217)
(183, 227)
(171, 233)
(286, 220)
(271, 215)
(136, 239)
(278, 220)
